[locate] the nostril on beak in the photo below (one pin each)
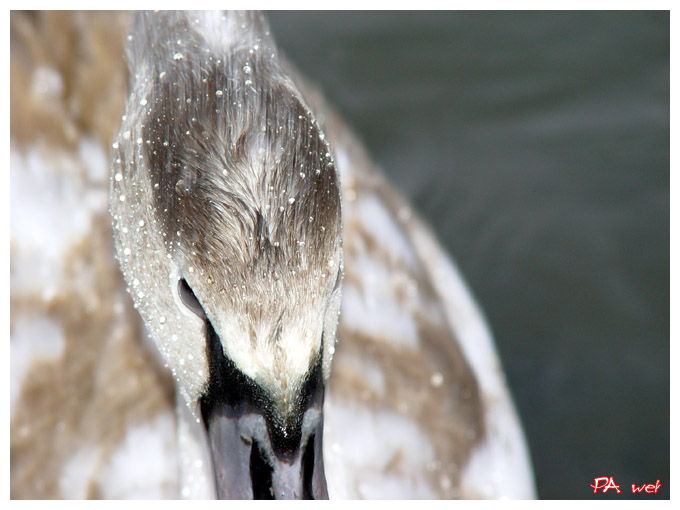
(260, 473)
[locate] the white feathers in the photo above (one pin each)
(48, 194)
(144, 465)
(378, 223)
(77, 472)
(221, 30)
(33, 339)
(375, 310)
(375, 454)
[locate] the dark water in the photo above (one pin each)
(538, 147)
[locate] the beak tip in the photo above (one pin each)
(255, 469)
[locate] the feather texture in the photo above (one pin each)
(417, 404)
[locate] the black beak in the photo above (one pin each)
(248, 465)
(259, 452)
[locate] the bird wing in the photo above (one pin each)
(90, 403)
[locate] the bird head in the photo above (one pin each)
(227, 223)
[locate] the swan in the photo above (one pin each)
(320, 341)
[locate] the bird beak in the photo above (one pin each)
(261, 450)
(255, 459)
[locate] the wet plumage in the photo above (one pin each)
(416, 404)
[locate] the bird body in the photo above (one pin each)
(238, 198)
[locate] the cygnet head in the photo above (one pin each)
(226, 214)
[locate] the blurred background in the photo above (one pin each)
(537, 145)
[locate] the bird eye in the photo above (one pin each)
(338, 280)
(189, 299)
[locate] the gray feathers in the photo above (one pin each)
(240, 162)
(221, 154)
